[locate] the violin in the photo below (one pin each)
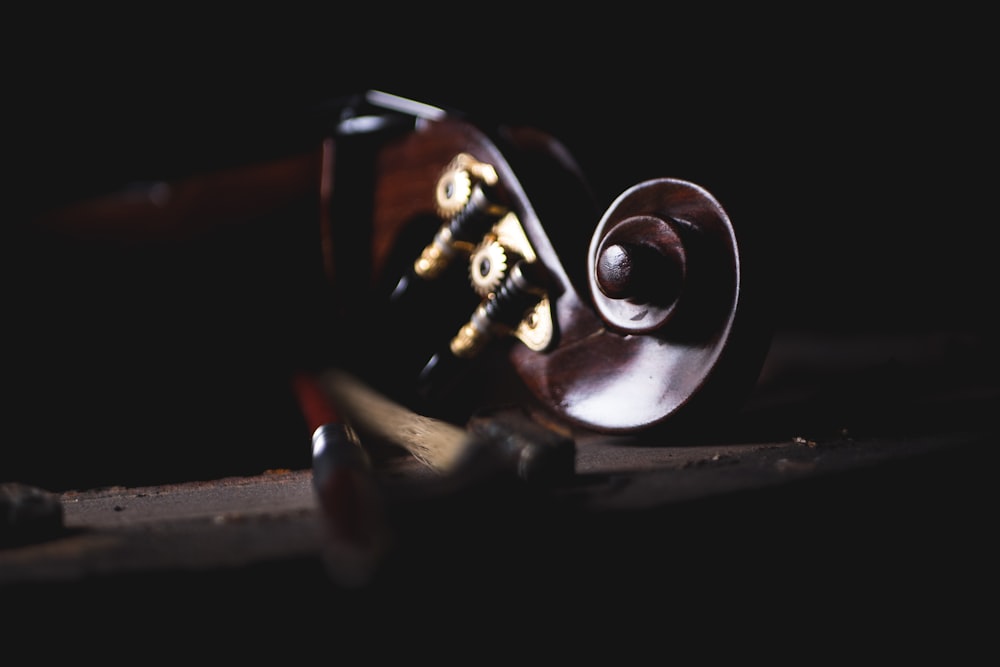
(475, 268)
(468, 265)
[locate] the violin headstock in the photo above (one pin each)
(472, 266)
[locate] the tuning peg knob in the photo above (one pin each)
(641, 260)
(638, 269)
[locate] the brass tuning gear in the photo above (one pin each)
(487, 266)
(504, 310)
(467, 199)
(505, 271)
(503, 267)
(454, 187)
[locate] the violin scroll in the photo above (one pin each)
(487, 245)
(662, 244)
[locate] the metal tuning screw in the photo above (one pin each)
(503, 310)
(469, 202)
(503, 270)
(506, 246)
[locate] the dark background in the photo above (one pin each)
(857, 146)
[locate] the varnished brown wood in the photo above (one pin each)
(190, 207)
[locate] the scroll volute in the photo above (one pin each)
(682, 332)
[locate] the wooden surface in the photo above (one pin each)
(860, 475)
